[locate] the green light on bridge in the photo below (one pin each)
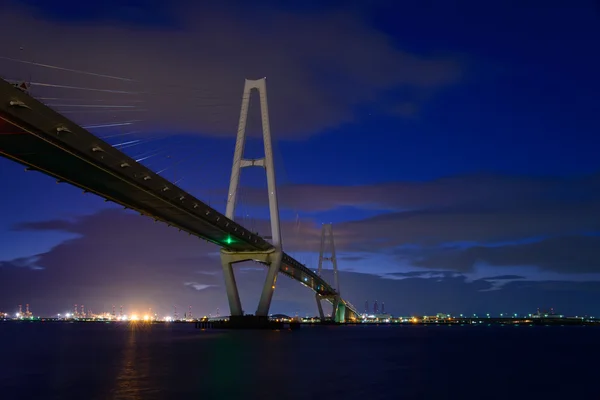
(229, 240)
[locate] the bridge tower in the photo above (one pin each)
(273, 257)
(328, 247)
(328, 244)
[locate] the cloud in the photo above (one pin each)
(421, 274)
(499, 281)
(466, 209)
(412, 234)
(503, 278)
(456, 223)
(434, 228)
(191, 66)
(198, 286)
(122, 258)
(489, 190)
(418, 220)
(352, 258)
(573, 254)
(119, 257)
(31, 263)
(456, 294)
(447, 232)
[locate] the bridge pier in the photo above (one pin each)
(271, 258)
(335, 308)
(269, 286)
(320, 306)
(233, 296)
(338, 311)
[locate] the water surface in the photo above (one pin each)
(175, 361)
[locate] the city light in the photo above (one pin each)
(540, 317)
(105, 316)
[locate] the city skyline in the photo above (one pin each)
(453, 175)
(123, 313)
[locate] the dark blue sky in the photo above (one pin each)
(454, 146)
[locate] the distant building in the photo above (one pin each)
(436, 317)
(378, 317)
(280, 317)
(545, 314)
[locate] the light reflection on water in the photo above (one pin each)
(127, 384)
(175, 361)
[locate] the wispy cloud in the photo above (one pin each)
(192, 69)
(198, 286)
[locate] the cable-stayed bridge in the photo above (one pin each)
(43, 139)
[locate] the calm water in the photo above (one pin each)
(110, 361)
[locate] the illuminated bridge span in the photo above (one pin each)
(44, 140)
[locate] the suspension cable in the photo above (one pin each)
(66, 69)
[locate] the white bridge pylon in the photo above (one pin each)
(273, 257)
(328, 246)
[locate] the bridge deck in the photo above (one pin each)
(40, 138)
(80, 158)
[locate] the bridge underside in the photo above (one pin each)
(37, 154)
(41, 139)
(51, 160)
